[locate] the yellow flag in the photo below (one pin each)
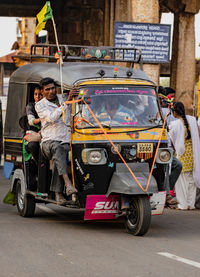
(43, 16)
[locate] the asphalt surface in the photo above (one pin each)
(57, 242)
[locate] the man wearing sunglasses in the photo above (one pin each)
(56, 134)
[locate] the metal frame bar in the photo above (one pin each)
(76, 53)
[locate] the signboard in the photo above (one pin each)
(152, 39)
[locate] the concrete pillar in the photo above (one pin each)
(107, 24)
(28, 36)
(122, 10)
(146, 11)
(183, 59)
(112, 18)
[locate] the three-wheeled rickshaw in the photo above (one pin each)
(118, 162)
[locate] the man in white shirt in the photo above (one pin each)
(56, 134)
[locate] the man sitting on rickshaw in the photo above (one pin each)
(55, 134)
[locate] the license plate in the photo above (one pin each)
(145, 148)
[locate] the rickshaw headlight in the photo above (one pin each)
(94, 156)
(165, 155)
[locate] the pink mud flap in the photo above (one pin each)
(101, 207)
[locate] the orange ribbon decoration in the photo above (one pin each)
(73, 101)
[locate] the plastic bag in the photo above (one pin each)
(9, 198)
(32, 136)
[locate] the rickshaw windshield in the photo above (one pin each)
(118, 106)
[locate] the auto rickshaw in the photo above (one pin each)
(118, 163)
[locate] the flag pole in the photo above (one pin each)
(59, 52)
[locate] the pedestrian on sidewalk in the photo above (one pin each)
(166, 96)
(185, 140)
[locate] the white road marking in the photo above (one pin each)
(179, 259)
(60, 254)
(46, 209)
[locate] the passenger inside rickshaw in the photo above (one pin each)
(145, 108)
(30, 123)
(32, 136)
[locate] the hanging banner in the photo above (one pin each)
(152, 39)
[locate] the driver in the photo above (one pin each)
(113, 111)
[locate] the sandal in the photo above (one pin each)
(171, 200)
(173, 207)
(70, 190)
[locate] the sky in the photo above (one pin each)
(167, 18)
(8, 27)
(8, 30)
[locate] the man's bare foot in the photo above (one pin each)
(60, 199)
(70, 189)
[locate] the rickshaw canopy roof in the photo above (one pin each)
(73, 72)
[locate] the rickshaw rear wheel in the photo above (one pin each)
(25, 203)
(138, 216)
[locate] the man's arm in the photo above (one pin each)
(32, 120)
(43, 110)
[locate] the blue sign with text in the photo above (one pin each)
(152, 39)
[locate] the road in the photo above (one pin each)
(57, 242)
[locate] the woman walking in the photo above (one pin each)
(185, 139)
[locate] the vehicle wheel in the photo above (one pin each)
(138, 217)
(25, 203)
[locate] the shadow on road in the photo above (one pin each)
(172, 224)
